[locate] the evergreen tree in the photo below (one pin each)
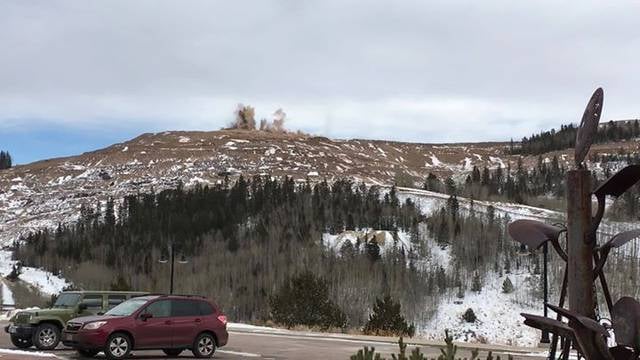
(304, 300)
(469, 316)
(5, 160)
(386, 319)
(507, 286)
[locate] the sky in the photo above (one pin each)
(80, 75)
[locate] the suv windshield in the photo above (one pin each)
(127, 308)
(66, 300)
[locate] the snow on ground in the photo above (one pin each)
(468, 164)
(428, 201)
(435, 161)
(26, 353)
(184, 139)
(385, 239)
(498, 316)
(46, 282)
(7, 295)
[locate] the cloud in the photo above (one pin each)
(406, 70)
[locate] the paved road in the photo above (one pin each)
(281, 345)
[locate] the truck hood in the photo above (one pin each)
(23, 316)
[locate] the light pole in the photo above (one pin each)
(172, 259)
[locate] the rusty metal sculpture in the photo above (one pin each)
(588, 126)
(585, 260)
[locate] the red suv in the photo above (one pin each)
(171, 323)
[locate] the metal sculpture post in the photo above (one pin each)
(580, 248)
(580, 232)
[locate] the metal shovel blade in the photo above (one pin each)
(622, 238)
(533, 233)
(620, 182)
(625, 319)
(589, 126)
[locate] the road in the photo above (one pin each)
(279, 344)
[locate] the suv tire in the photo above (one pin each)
(21, 343)
(118, 346)
(204, 346)
(46, 336)
(87, 353)
(172, 352)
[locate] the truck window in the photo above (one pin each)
(93, 302)
(66, 300)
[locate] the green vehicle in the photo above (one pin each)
(42, 327)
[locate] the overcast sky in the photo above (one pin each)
(76, 75)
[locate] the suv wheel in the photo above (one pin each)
(21, 343)
(46, 337)
(204, 346)
(87, 353)
(118, 346)
(172, 352)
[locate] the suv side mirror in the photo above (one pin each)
(82, 307)
(145, 316)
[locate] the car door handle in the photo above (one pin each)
(168, 322)
(198, 320)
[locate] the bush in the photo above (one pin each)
(304, 300)
(387, 319)
(469, 316)
(507, 286)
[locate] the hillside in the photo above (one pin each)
(44, 193)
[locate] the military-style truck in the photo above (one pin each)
(42, 327)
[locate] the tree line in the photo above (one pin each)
(564, 138)
(519, 185)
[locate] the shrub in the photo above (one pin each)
(507, 286)
(387, 319)
(469, 316)
(367, 354)
(304, 300)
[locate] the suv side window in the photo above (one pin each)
(159, 309)
(205, 308)
(113, 300)
(93, 302)
(184, 308)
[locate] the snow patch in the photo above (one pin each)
(46, 282)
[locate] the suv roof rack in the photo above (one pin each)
(182, 295)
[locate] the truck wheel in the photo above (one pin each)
(21, 343)
(46, 337)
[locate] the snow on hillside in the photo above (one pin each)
(499, 320)
(44, 281)
(385, 239)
